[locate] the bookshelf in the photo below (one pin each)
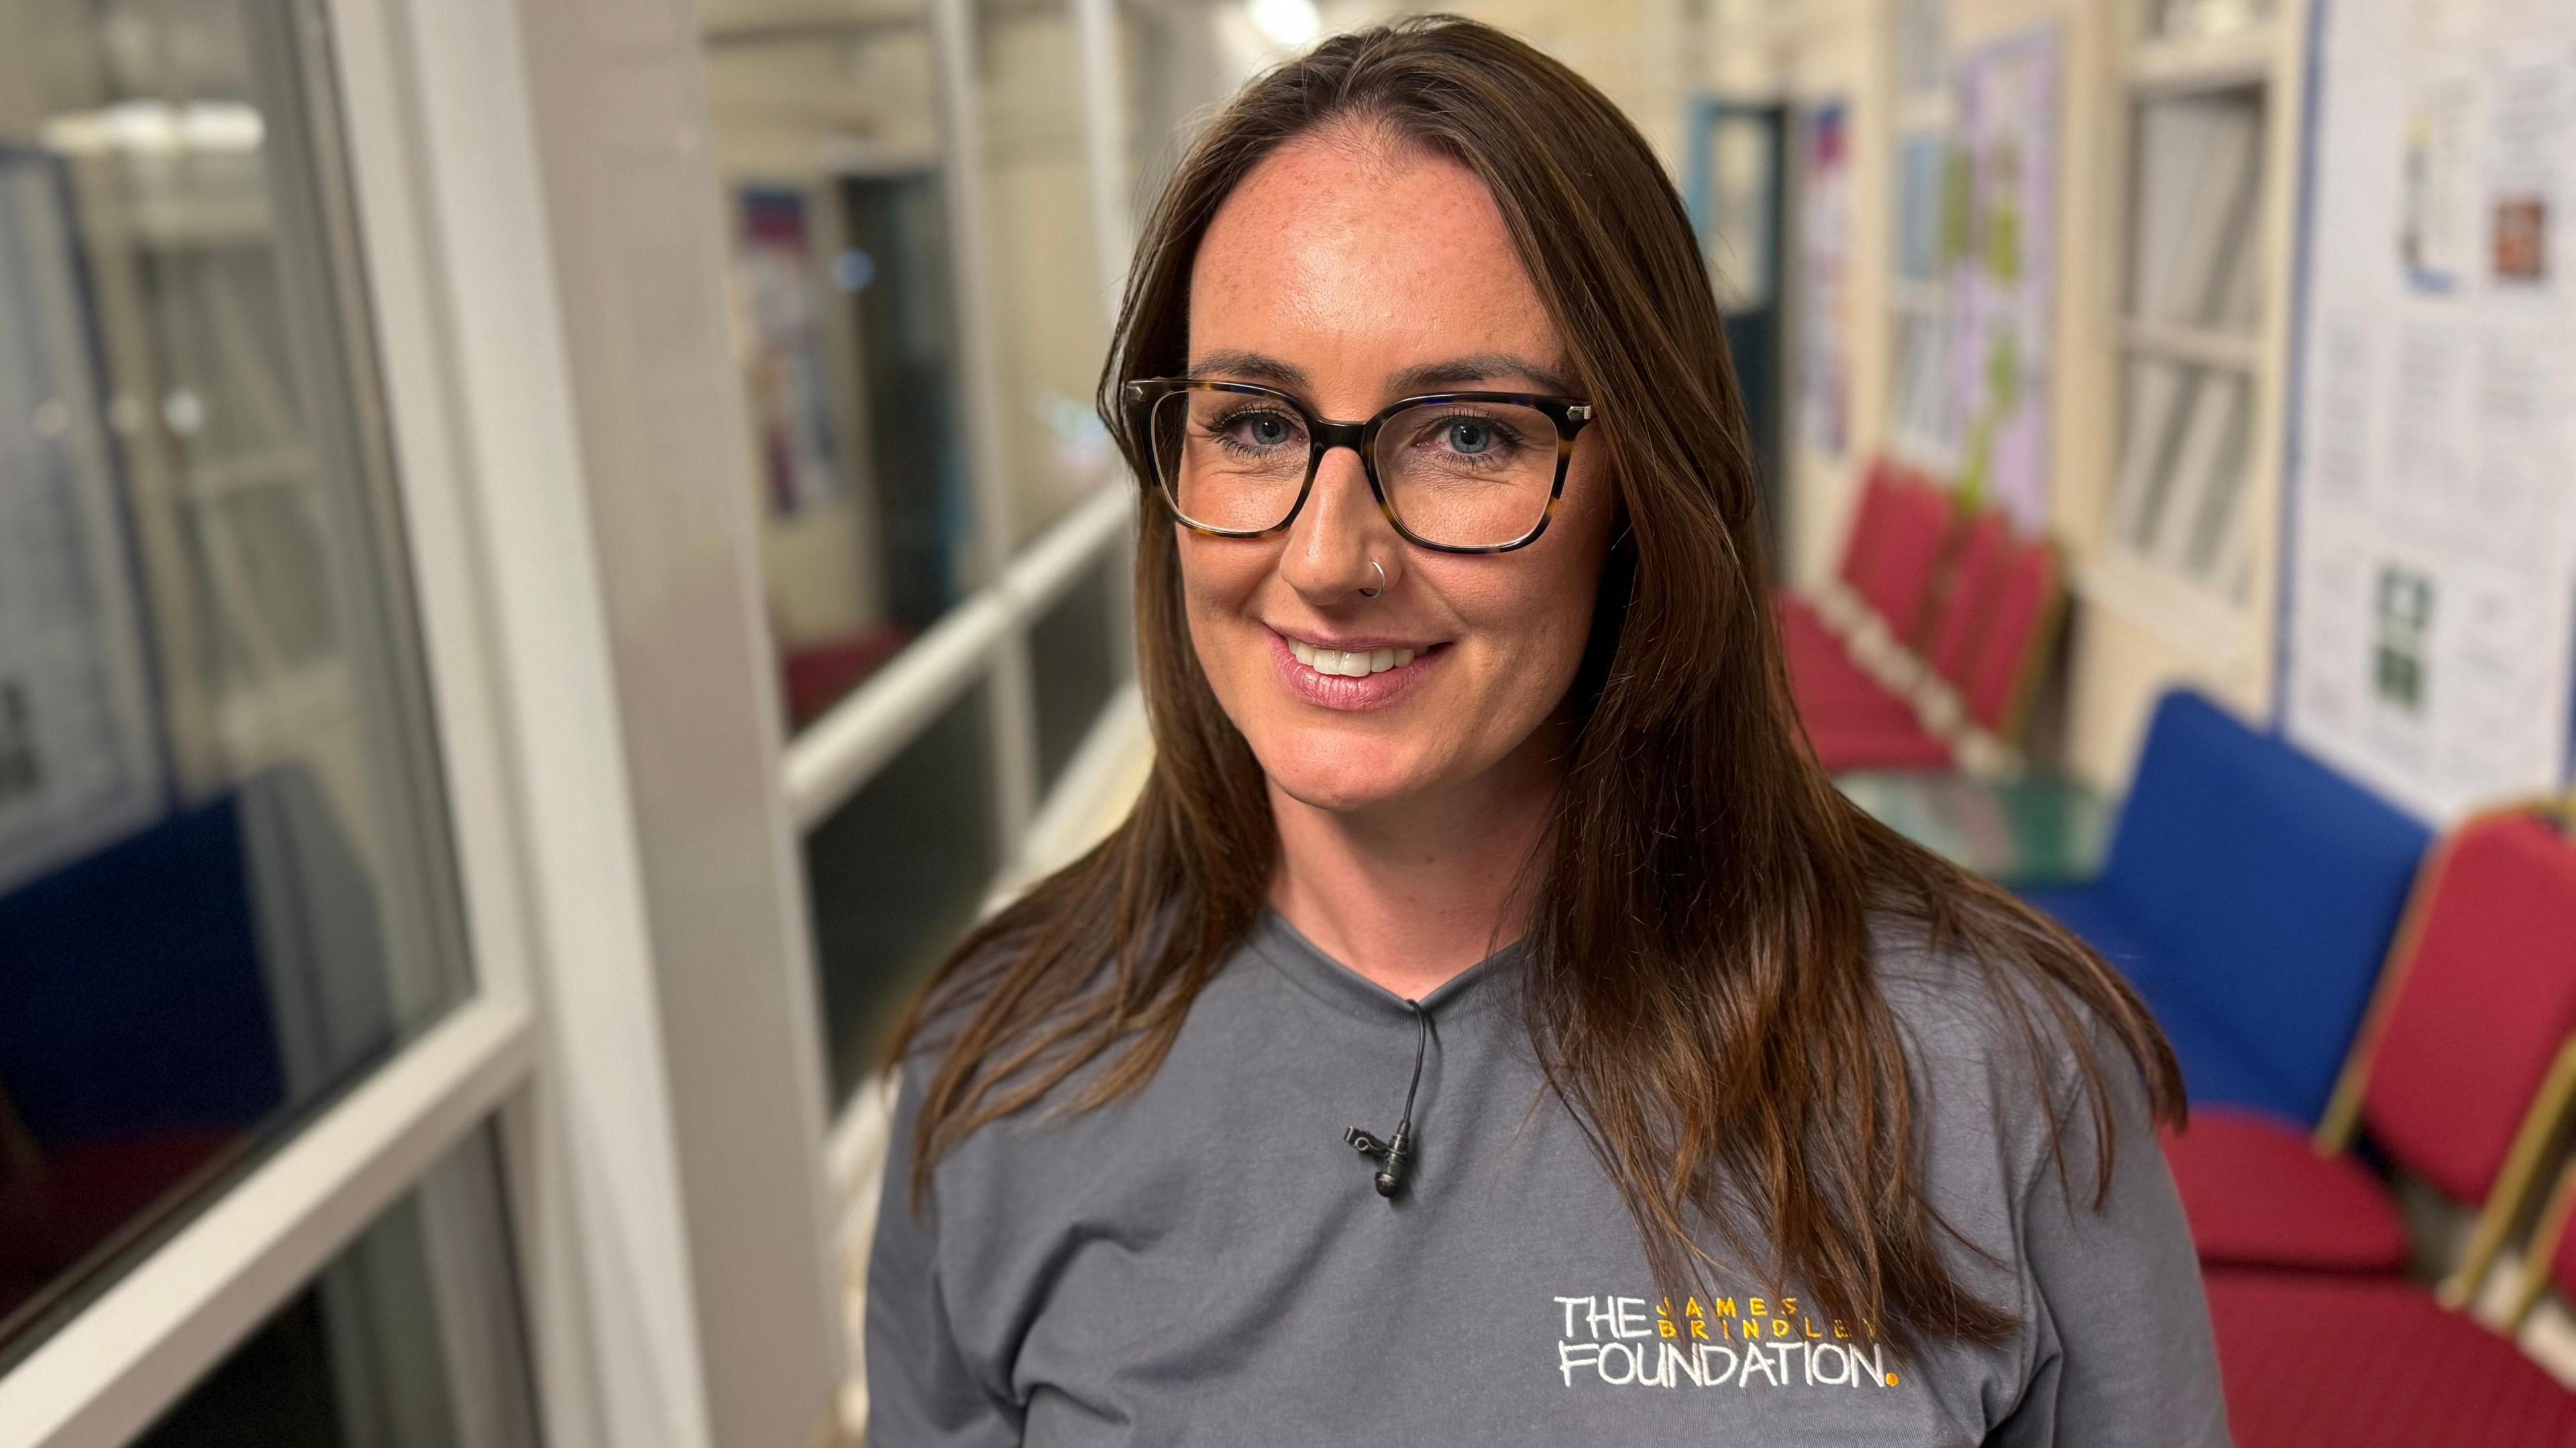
(2206, 143)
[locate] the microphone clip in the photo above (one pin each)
(1395, 1154)
(1391, 1156)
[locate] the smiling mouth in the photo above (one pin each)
(1351, 664)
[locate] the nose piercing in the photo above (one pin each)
(1381, 580)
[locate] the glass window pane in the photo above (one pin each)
(1073, 658)
(2179, 499)
(1047, 297)
(825, 141)
(409, 1339)
(2194, 251)
(895, 875)
(225, 884)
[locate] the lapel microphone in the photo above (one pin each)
(1395, 1154)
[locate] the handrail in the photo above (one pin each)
(832, 757)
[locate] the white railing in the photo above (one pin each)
(844, 749)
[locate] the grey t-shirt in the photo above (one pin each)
(1208, 1261)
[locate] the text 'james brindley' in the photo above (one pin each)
(1751, 1342)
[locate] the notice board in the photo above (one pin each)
(2429, 629)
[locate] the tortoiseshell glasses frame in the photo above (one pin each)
(1144, 395)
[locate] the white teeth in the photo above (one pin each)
(1354, 664)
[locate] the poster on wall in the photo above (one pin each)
(782, 299)
(1999, 270)
(1824, 279)
(2430, 629)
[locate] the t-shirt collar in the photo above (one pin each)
(1337, 985)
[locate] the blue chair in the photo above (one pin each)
(131, 995)
(2250, 895)
(167, 997)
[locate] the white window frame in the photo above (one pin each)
(436, 127)
(560, 1048)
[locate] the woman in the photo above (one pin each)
(1490, 1026)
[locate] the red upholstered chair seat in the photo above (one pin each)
(1891, 743)
(2258, 1195)
(1833, 691)
(2342, 1362)
(1823, 670)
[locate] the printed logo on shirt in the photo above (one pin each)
(1750, 1342)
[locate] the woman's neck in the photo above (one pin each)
(1414, 891)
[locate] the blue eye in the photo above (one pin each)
(1268, 430)
(1471, 436)
(1256, 429)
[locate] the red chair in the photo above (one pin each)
(1900, 528)
(817, 675)
(1883, 740)
(2352, 1362)
(1977, 577)
(1988, 640)
(2463, 1074)
(1807, 630)
(1868, 522)
(2023, 612)
(1809, 636)
(1904, 566)
(1901, 533)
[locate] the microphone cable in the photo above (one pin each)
(1395, 1154)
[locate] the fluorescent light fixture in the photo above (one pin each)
(1290, 24)
(156, 128)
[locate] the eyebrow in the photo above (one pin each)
(1457, 372)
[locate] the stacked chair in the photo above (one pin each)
(2462, 1079)
(1924, 652)
(1890, 558)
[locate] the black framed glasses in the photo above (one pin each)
(1460, 472)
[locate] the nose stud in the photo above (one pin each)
(1381, 580)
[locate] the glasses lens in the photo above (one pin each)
(1468, 474)
(1231, 460)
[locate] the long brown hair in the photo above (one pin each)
(1699, 984)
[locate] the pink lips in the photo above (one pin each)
(1333, 691)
